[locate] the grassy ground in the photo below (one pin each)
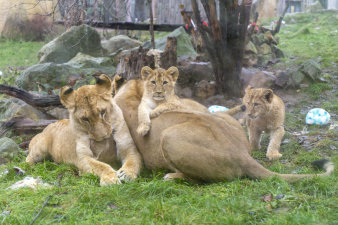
(78, 199)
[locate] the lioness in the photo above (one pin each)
(265, 111)
(86, 140)
(195, 144)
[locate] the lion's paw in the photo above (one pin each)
(143, 129)
(109, 179)
(125, 175)
(273, 155)
(154, 114)
(172, 176)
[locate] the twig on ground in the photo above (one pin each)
(43, 206)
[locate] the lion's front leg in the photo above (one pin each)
(126, 149)
(86, 163)
(254, 137)
(276, 137)
(144, 122)
(165, 107)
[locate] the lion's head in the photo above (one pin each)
(257, 101)
(159, 83)
(90, 107)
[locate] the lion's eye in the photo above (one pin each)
(165, 82)
(153, 82)
(85, 119)
(103, 112)
(256, 104)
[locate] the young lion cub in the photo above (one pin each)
(158, 95)
(264, 112)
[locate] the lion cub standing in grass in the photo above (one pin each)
(265, 111)
(158, 95)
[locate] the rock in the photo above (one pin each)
(205, 89)
(185, 92)
(82, 60)
(250, 47)
(256, 78)
(311, 69)
(185, 49)
(193, 72)
(13, 107)
(264, 49)
(282, 79)
(259, 39)
(277, 51)
(119, 42)
(295, 78)
(264, 60)
(8, 149)
(270, 37)
(55, 76)
(314, 7)
(77, 39)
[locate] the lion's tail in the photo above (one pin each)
(257, 171)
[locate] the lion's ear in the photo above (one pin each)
(103, 83)
(173, 72)
(118, 81)
(67, 97)
(145, 72)
(268, 94)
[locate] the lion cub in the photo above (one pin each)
(158, 95)
(265, 111)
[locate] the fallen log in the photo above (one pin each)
(29, 98)
(128, 25)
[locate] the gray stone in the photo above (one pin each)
(256, 78)
(295, 78)
(277, 51)
(264, 49)
(8, 149)
(119, 42)
(193, 72)
(58, 75)
(78, 39)
(282, 79)
(311, 69)
(250, 47)
(205, 89)
(264, 60)
(82, 60)
(185, 49)
(259, 39)
(13, 107)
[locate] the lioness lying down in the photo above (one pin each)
(194, 144)
(86, 140)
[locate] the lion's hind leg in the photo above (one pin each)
(38, 149)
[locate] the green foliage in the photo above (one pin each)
(316, 89)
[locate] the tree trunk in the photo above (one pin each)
(224, 41)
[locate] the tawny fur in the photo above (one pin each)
(265, 111)
(158, 96)
(86, 140)
(194, 144)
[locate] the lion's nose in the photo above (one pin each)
(158, 92)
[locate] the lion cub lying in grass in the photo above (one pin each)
(158, 95)
(265, 111)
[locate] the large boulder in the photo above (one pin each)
(8, 149)
(54, 76)
(193, 72)
(13, 107)
(77, 39)
(119, 42)
(256, 78)
(185, 50)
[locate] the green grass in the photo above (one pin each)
(18, 53)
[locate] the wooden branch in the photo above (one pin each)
(216, 30)
(31, 99)
(276, 30)
(206, 7)
(128, 25)
(151, 27)
(43, 206)
(25, 125)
